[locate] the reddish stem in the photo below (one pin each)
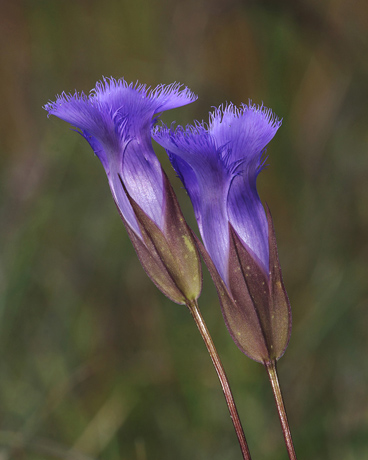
(193, 307)
(272, 374)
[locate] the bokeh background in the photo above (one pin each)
(95, 362)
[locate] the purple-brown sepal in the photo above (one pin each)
(254, 304)
(169, 257)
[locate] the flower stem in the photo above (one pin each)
(272, 374)
(193, 308)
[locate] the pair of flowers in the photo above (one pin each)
(218, 164)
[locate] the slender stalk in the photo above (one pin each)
(272, 374)
(193, 307)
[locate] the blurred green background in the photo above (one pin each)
(95, 362)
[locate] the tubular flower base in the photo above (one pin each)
(116, 119)
(218, 164)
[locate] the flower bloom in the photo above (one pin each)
(218, 164)
(116, 119)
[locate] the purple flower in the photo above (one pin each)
(218, 164)
(116, 119)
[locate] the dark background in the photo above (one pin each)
(95, 362)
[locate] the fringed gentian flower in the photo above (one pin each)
(116, 120)
(218, 165)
